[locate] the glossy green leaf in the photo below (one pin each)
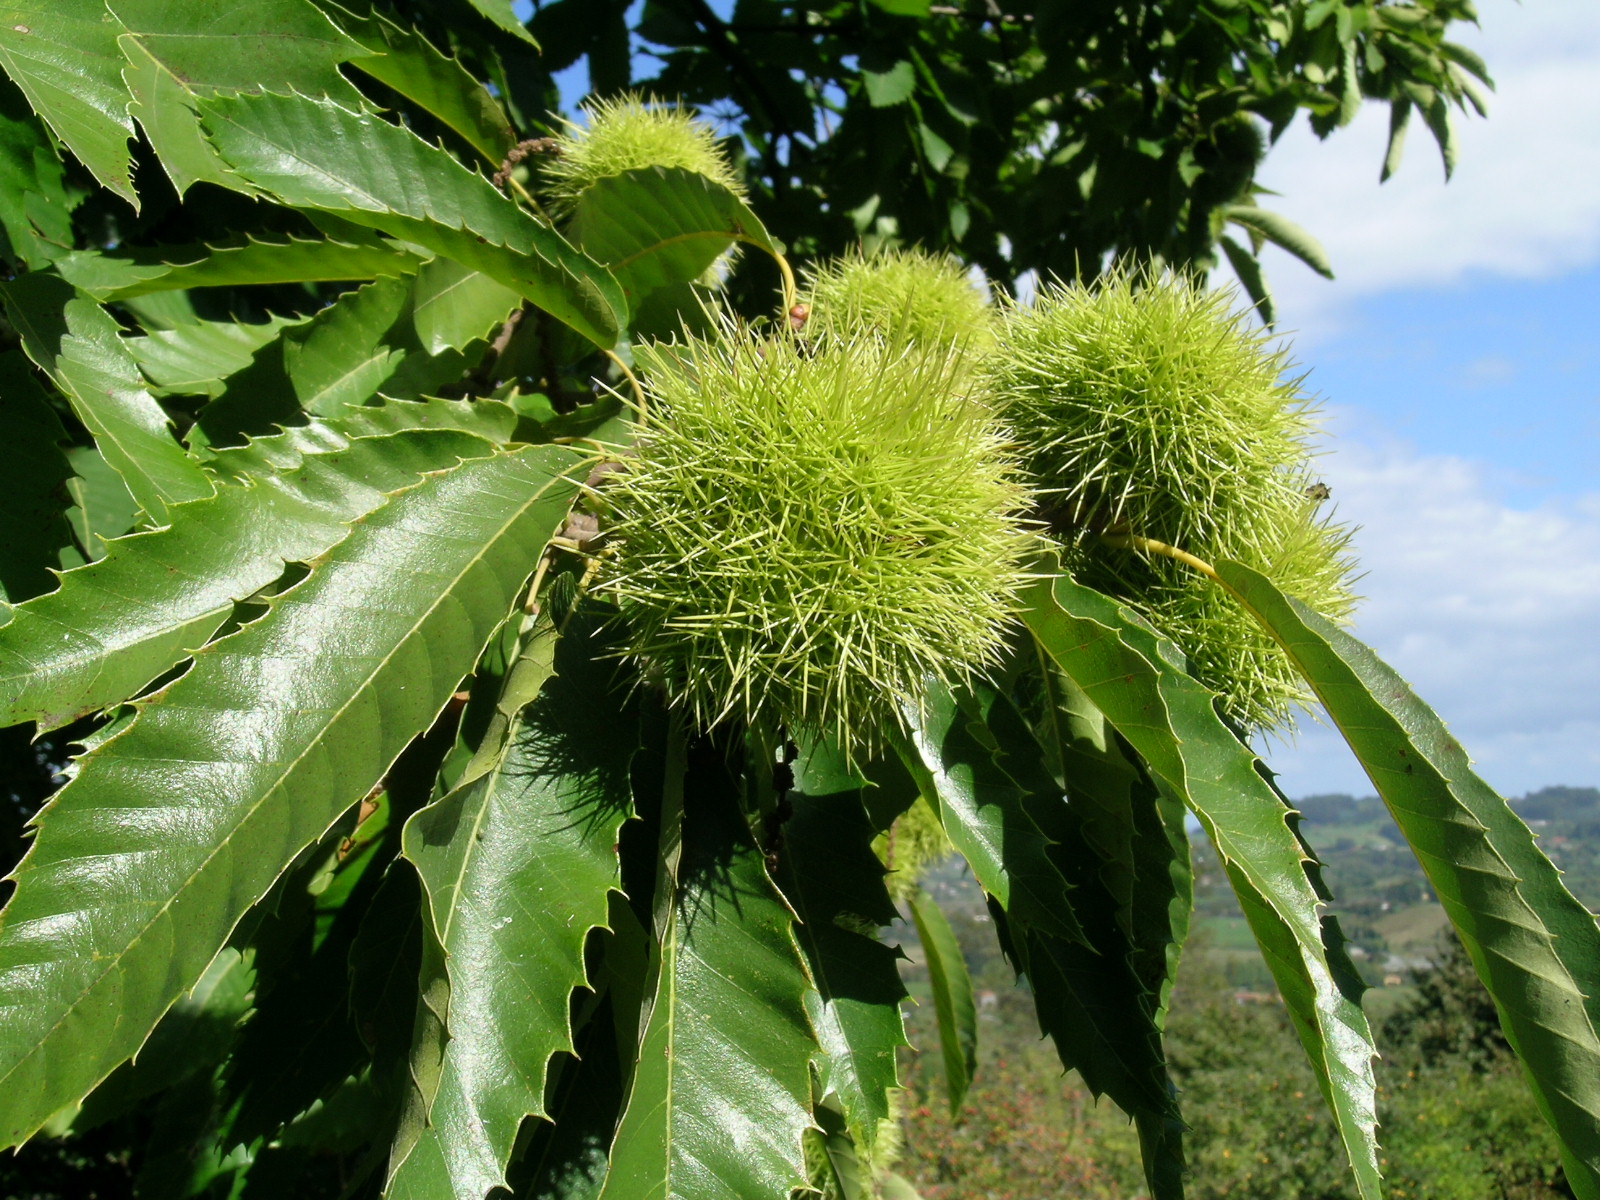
(951, 985)
(269, 44)
(1399, 122)
(1103, 1013)
(658, 226)
(35, 208)
(102, 507)
(194, 1036)
(453, 306)
(194, 359)
(502, 14)
(341, 356)
(721, 1095)
(163, 311)
(982, 811)
(567, 1160)
(117, 623)
(1090, 998)
(1134, 678)
(833, 1159)
(1163, 904)
(491, 420)
(836, 884)
(300, 1043)
(1283, 233)
(79, 344)
(517, 863)
(420, 374)
(404, 60)
(171, 830)
(177, 53)
(109, 277)
(63, 55)
(161, 105)
(1248, 268)
(34, 499)
(256, 402)
(322, 156)
(670, 311)
(1134, 830)
(1535, 946)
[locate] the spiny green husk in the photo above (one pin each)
(900, 293)
(810, 531)
(911, 845)
(625, 134)
(856, 1174)
(1227, 649)
(1149, 407)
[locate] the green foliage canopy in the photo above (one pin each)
(1035, 135)
(402, 856)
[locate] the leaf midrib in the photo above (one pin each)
(276, 496)
(87, 409)
(372, 356)
(290, 766)
(341, 187)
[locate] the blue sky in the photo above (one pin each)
(1502, 369)
(1457, 356)
(1458, 359)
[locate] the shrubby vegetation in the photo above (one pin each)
(1456, 1121)
(1457, 1117)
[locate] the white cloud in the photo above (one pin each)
(1490, 611)
(1525, 198)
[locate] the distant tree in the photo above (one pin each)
(1451, 1018)
(1577, 804)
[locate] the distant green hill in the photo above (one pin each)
(1384, 903)
(1382, 899)
(1354, 835)
(1458, 1123)
(1579, 806)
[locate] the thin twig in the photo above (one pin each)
(538, 145)
(1133, 541)
(526, 196)
(503, 177)
(791, 293)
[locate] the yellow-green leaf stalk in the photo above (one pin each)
(1153, 409)
(809, 531)
(898, 293)
(626, 134)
